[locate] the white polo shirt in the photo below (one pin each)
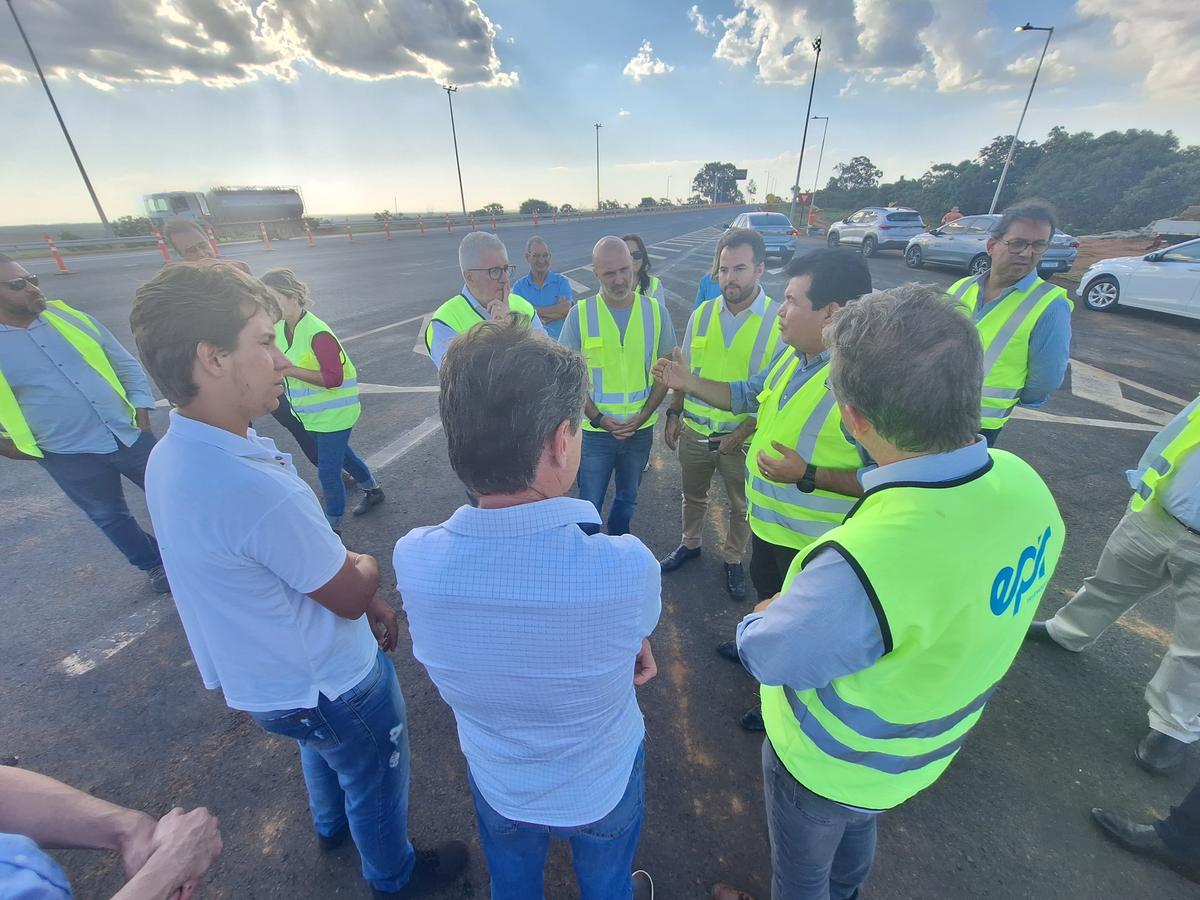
(244, 541)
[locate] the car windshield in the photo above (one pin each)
(913, 217)
(777, 219)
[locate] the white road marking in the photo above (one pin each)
(1104, 388)
(419, 347)
(387, 455)
(132, 627)
(355, 337)
(775, 271)
(666, 249)
(1145, 389)
(577, 287)
(653, 256)
(394, 389)
(1039, 416)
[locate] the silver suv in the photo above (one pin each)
(877, 228)
(962, 244)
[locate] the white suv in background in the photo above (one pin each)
(875, 228)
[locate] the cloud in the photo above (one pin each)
(701, 24)
(1155, 37)
(644, 64)
(228, 42)
(1054, 69)
(623, 113)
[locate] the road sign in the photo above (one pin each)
(739, 174)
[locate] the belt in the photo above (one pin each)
(1186, 526)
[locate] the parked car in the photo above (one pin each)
(877, 228)
(776, 229)
(1167, 280)
(962, 244)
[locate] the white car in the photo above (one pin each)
(1166, 280)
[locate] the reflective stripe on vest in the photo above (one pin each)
(954, 600)
(319, 409)
(620, 368)
(809, 422)
(82, 334)
(713, 357)
(1183, 437)
(1006, 360)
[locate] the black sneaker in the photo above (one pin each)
(434, 870)
(370, 499)
(158, 580)
(728, 649)
(333, 841)
(735, 581)
(752, 720)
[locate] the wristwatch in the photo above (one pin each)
(672, 411)
(595, 423)
(808, 483)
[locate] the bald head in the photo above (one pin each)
(613, 267)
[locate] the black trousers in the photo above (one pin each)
(769, 566)
(991, 435)
(286, 417)
(1181, 829)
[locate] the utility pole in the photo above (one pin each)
(451, 89)
(1013, 146)
(61, 124)
(817, 177)
(598, 127)
(668, 187)
(816, 45)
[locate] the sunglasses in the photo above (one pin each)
(638, 254)
(18, 284)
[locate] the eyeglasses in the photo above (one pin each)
(638, 254)
(1020, 245)
(496, 272)
(18, 284)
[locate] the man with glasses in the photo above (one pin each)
(193, 245)
(73, 399)
(1024, 322)
(485, 294)
(550, 292)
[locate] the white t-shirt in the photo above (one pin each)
(244, 541)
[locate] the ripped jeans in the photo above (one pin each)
(354, 753)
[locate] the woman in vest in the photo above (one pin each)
(322, 385)
(648, 284)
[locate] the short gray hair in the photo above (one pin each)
(470, 251)
(1029, 210)
(536, 239)
(177, 226)
(504, 389)
(910, 360)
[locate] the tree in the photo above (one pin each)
(1161, 194)
(531, 206)
(130, 226)
(647, 203)
(717, 182)
(610, 206)
(492, 209)
(383, 216)
(566, 208)
(68, 236)
(664, 201)
(860, 172)
(751, 189)
(696, 200)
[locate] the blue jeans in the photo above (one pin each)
(333, 455)
(603, 455)
(92, 481)
(602, 852)
(354, 754)
(820, 850)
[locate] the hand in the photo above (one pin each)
(618, 429)
(732, 443)
(787, 470)
(672, 372)
(498, 309)
(137, 842)
(671, 431)
(384, 624)
(143, 419)
(763, 604)
(644, 667)
(9, 449)
(189, 843)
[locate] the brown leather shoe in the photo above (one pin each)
(725, 892)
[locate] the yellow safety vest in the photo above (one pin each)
(811, 424)
(82, 333)
(460, 316)
(955, 573)
(320, 409)
(621, 379)
(1005, 331)
(655, 289)
(1183, 437)
(711, 356)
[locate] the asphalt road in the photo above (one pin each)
(100, 689)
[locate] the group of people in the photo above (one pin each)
(854, 432)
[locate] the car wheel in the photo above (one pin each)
(869, 245)
(1102, 294)
(833, 240)
(981, 263)
(912, 257)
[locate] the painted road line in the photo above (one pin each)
(1145, 389)
(1037, 416)
(775, 271)
(577, 287)
(131, 628)
(394, 389)
(654, 256)
(363, 334)
(1103, 387)
(387, 455)
(666, 249)
(419, 347)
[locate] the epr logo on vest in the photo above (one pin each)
(1011, 584)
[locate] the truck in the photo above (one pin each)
(233, 213)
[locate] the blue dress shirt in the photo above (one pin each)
(743, 395)
(28, 873)
(556, 288)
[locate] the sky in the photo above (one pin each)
(343, 98)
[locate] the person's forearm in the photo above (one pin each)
(677, 398)
(714, 393)
(308, 376)
(590, 410)
(58, 816)
(158, 879)
(9, 450)
(839, 481)
(368, 567)
(657, 393)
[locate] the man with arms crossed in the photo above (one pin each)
(278, 613)
(534, 632)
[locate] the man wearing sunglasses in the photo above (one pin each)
(75, 400)
(1024, 322)
(486, 294)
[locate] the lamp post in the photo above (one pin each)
(598, 126)
(820, 156)
(1013, 146)
(816, 45)
(451, 89)
(87, 182)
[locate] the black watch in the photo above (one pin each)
(672, 411)
(808, 483)
(595, 423)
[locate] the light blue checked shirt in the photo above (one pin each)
(529, 628)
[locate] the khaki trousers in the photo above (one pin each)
(698, 464)
(1148, 551)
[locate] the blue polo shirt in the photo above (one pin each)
(556, 288)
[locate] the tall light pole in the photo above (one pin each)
(668, 187)
(451, 89)
(1013, 146)
(817, 177)
(598, 127)
(816, 45)
(87, 182)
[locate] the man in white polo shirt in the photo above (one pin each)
(279, 615)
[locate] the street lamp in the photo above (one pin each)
(816, 45)
(451, 89)
(820, 156)
(1013, 146)
(598, 126)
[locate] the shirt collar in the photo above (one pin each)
(201, 432)
(931, 468)
(1026, 283)
(527, 518)
(758, 307)
(466, 292)
(807, 363)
